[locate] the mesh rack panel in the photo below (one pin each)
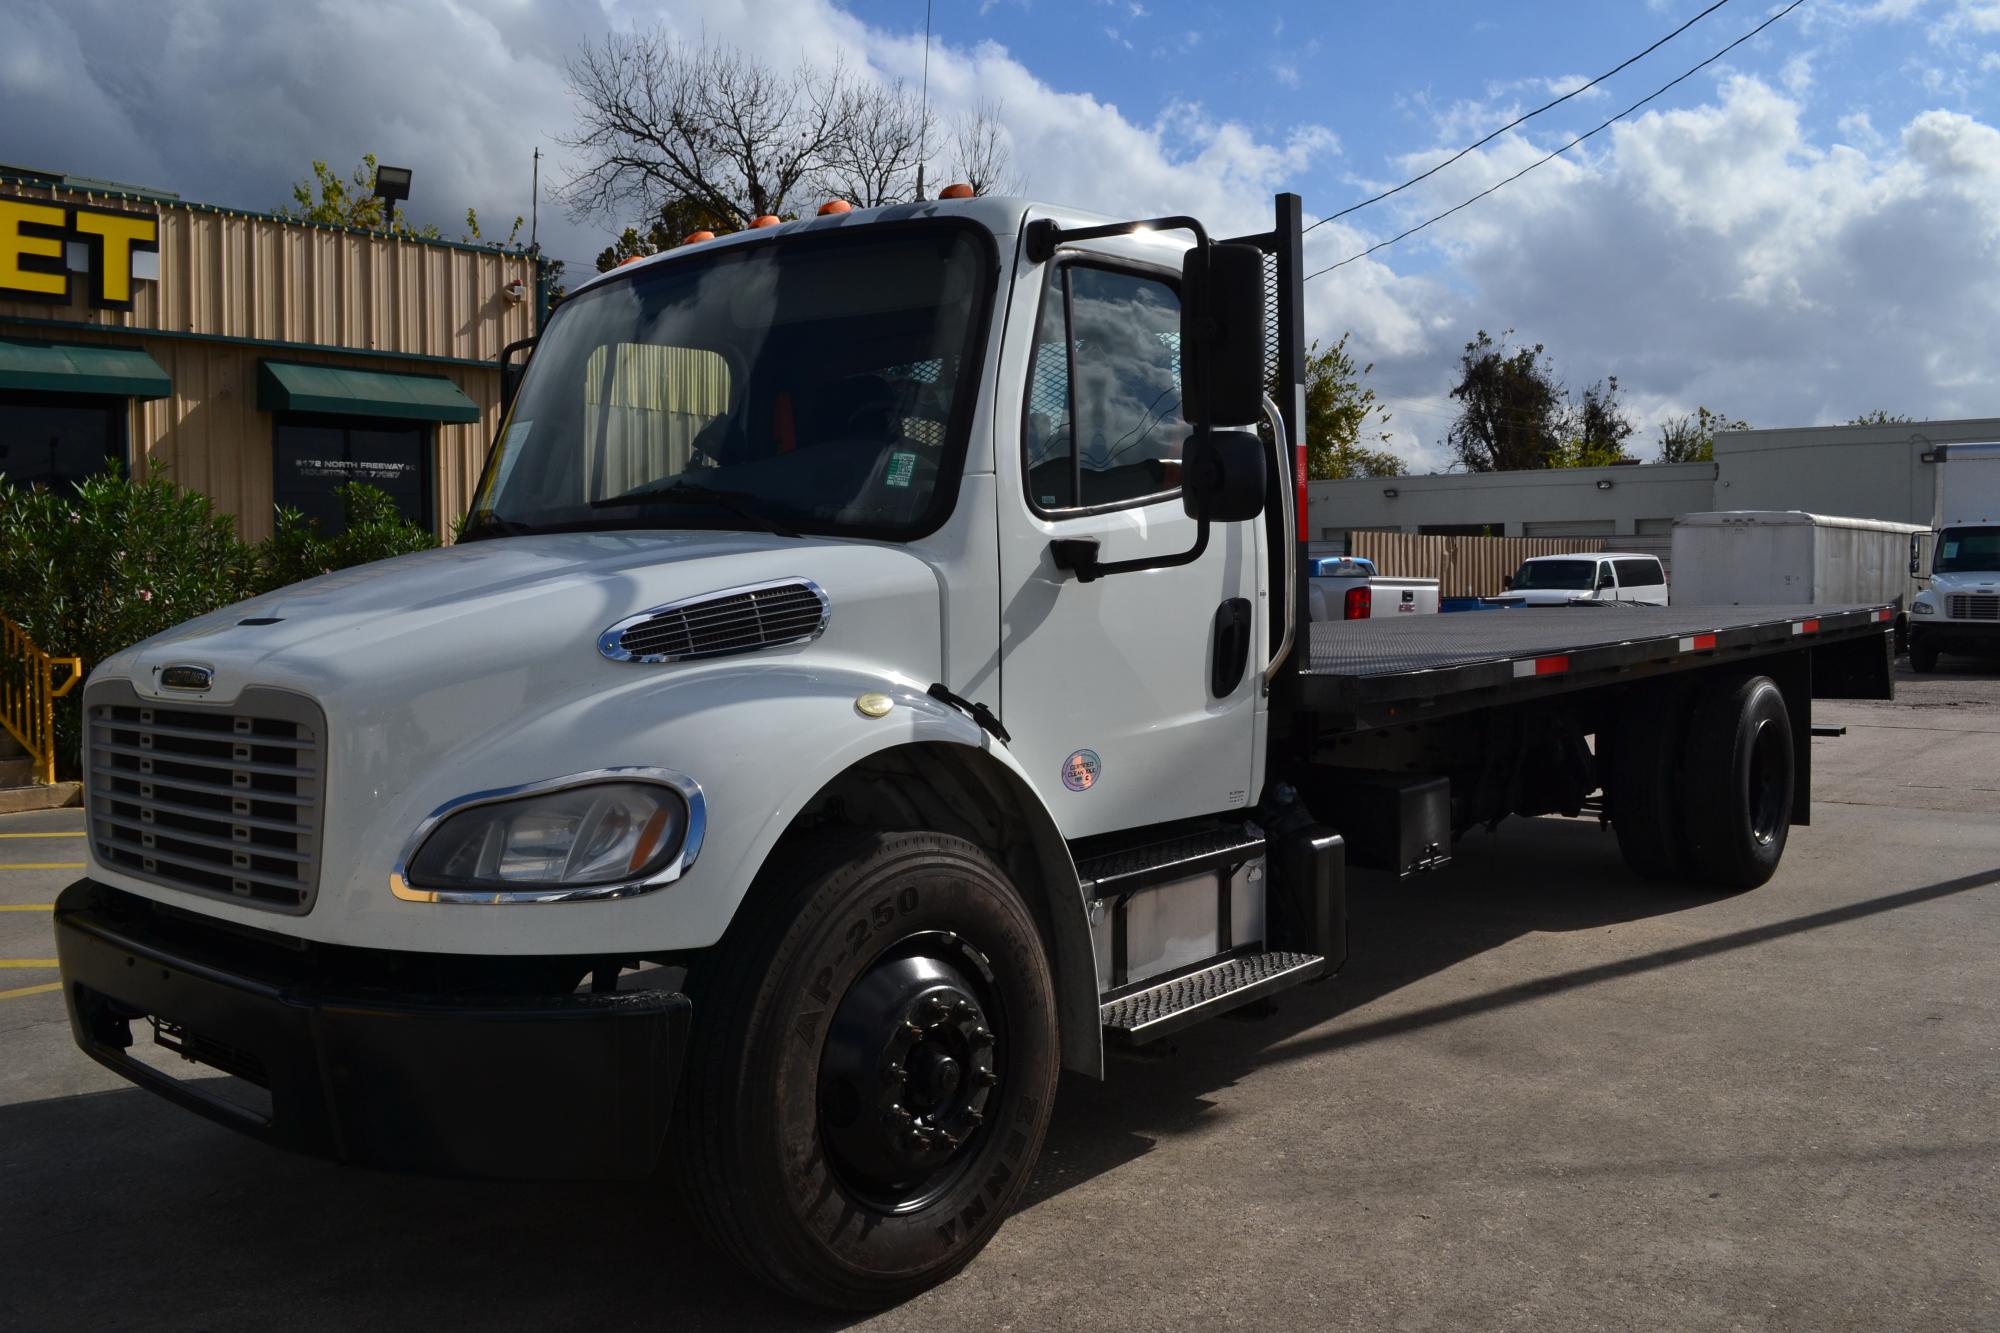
(225, 801)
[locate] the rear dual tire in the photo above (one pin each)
(1701, 785)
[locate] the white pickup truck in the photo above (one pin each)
(875, 675)
(1348, 588)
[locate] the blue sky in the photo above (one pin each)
(1804, 232)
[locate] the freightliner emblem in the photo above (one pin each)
(187, 677)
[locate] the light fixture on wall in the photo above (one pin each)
(1604, 485)
(1389, 492)
(392, 186)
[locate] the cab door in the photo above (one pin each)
(1135, 698)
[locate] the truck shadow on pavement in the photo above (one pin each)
(117, 1207)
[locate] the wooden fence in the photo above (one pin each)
(1463, 566)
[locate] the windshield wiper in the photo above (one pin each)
(733, 502)
(493, 526)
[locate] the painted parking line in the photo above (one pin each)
(27, 962)
(42, 989)
(77, 834)
(27, 907)
(41, 865)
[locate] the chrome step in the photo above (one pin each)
(1155, 1011)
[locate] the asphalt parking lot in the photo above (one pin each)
(1539, 1096)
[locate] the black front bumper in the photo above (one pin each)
(1971, 636)
(400, 1061)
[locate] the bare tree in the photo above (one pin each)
(660, 120)
(874, 159)
(981, 155)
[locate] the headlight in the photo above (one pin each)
(1922, 609)
(571, 839)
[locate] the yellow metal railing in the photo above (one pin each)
(28, 693)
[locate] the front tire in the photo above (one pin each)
(1739, 778)
(1923, 654)
(871, 1067)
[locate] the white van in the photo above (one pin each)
(1608, 576)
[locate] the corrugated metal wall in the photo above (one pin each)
(1463, 566)
(661, 398)
(239, 276)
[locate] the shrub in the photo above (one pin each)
(375, 531)
(93, 569)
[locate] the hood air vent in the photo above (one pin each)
(735, 620)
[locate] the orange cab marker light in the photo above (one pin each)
(631, 260)
(697, 237)
(835, 206)
(960, 191)
(765, 220)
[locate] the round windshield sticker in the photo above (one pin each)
(1080, 770)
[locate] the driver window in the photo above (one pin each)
(645, 408)
(1115, 433)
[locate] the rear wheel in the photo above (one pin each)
(871, 1068)
(1739, 781)
(1644, 784)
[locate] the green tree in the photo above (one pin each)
(1691, 438)
(1879, 417)
(1596, 429)
(1343, 419)
(1512, 408)
(677, 220)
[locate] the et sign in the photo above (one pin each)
(44, 245)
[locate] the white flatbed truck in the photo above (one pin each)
(875, 676)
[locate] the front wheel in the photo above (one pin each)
(1923, 654)
(871, 1068)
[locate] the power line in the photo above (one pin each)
(1602, 125)
(1522, 119)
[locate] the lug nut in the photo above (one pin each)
(985, 1078)
(912, 1030)
(981, 1037)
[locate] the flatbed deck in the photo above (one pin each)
(1369, 673)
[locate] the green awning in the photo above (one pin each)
(285, 386)
(123, 372)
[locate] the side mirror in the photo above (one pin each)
(511, 370)
(1916, 555)
(1222, 475)
(1605, 580)
(1506, 583)
(1222, 334)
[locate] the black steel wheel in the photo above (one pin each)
(1739, 779)
(1642, 782)
(870, 1068)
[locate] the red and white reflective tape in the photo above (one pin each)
(1884, 614)
(1700, 643)
(1540, 666)
(1805, 627)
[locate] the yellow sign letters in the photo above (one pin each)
(35, 241)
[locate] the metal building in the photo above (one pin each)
(260, 361)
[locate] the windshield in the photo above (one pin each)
(1569, 575)
(1965, 550)
(821, 383)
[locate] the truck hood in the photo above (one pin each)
(533, 605)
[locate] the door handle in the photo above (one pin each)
(1231, 647)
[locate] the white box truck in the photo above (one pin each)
(1777, 557)
(1960, 611)
(874, 676)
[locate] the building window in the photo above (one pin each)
(314, 455)
(51, 438)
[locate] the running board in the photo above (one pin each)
(1160, 1010)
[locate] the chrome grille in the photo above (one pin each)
(222, 801)
(1975, 606)
(738, 620)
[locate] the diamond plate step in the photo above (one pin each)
(1149, 1014)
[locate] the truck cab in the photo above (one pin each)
(1959, 610)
